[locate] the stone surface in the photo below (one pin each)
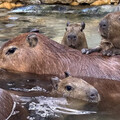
(86, 1)
(57, 1)
(48, 9)
(31, 1)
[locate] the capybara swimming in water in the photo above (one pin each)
(35, 53)
(81, 91)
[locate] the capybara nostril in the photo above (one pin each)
(72, 37)
(93, 95)
(103, 24)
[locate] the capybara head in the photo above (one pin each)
(77, 88)
(74, 36)
(14, 53)
(109, 26)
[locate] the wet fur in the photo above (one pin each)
(49, 57)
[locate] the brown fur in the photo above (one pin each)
(8, 105)
(67, 87)
(109, 91)
(113, 34)
(75, 29)
(49, 57)
(110, 43)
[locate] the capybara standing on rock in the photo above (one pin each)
(35, 53)
(74, 36)
(109, 28)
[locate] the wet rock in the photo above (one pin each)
(100, 10)
(42, 9)
(47, 9)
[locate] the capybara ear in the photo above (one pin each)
(32, 40)
(55, 81)
(67, 74)
(35, 30)
(82, 26)
(67, 24)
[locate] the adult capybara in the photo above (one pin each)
(8, 107)
(67, 87)
(74, 36)
(109, 28)
(35, 53)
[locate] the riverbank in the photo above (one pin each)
(10, 4)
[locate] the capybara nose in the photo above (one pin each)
(71, 36)
(94, 95)
(103, 24)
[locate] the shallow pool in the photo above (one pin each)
(43, 106)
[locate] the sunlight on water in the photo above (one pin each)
(49, 106)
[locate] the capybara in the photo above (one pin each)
(109, 91)
(35, 53)
(8, 107)
(109, 28)
(74, 36)
(67, 87)
(107, 94)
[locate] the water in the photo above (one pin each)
(35, 92)
(52, 26)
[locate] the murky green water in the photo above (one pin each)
(53, 26)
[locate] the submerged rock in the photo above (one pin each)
(100, 10)
(42, 9)
(49, 9)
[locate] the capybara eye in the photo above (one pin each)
(68, 87)
(11, 51)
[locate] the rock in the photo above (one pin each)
(42, 9)
(101, 2)
(31, 1)
(49, 9)
(100, 10)
(105, 2)
(9, 5)
(8, 1)
(74, 3)
(57, 1)
(86, 1)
